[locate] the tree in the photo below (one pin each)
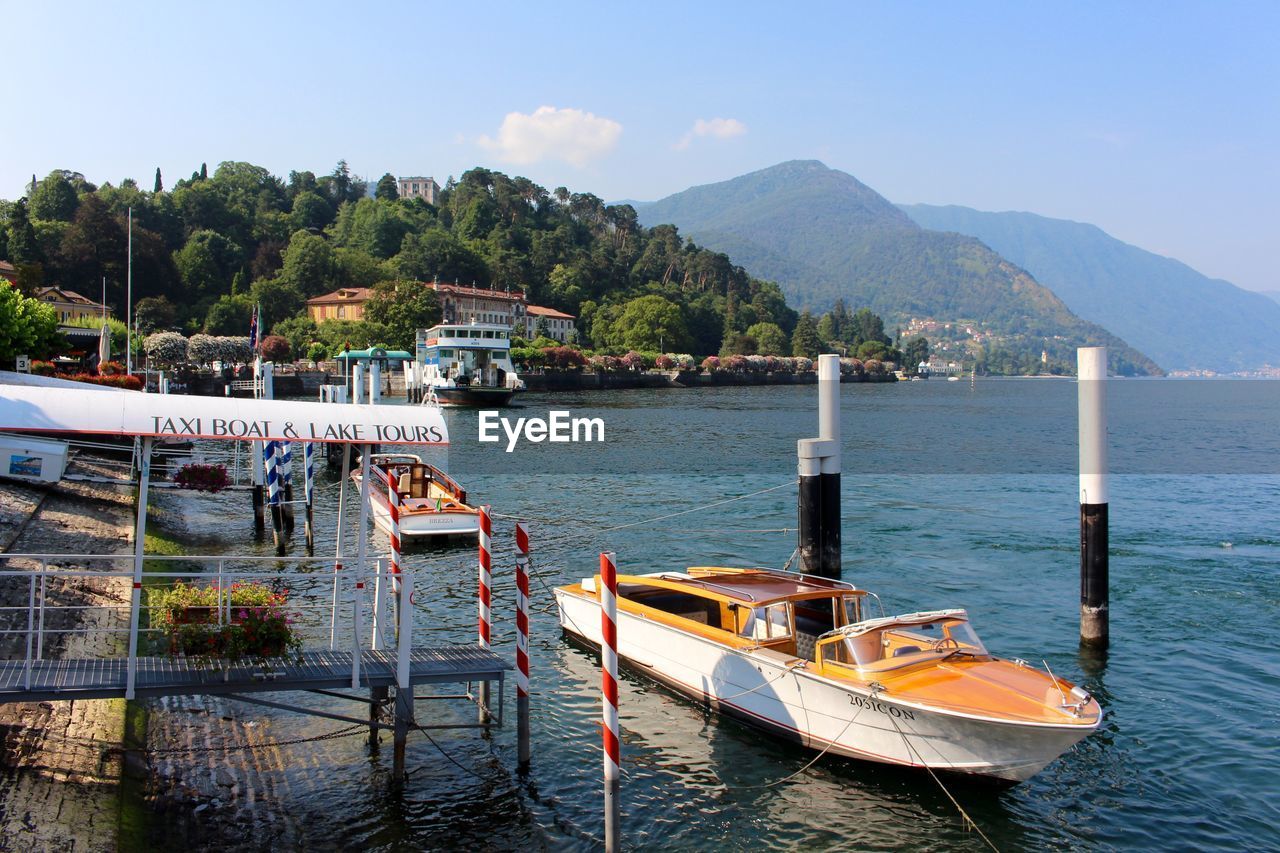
(387, 189)
(804, 340)
(23, 248)
(317, 353)
(310, 210)
(649, 323)
(55, 198)
(229, 315)
(277, 298)
(309, 265)
(154, 312)
(299, 330)
(827, 331)
(274, 348)
(770, 339)
(27, 327)
(204, 171)
(402, 308)
(916, 351)
(437, 254)
(207, 263)
(158, 187)
(739, 344)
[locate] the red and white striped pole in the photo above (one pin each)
(522, 643)
(485, 598)
(609, 690)
(393, 507)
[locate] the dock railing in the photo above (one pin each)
(64, 601)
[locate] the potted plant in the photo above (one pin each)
(202, 478)
(245, 620)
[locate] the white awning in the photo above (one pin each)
(129, 413)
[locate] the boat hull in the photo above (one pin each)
(424, 524)
(769, 690)
(473, 396)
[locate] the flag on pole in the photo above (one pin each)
(253, 327)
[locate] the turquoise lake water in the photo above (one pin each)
(953, 496)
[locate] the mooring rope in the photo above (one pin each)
(968, 820)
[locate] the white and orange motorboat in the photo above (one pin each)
(801, 657)
(432, 504)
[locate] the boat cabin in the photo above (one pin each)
(416, 481)
(878, 646)
(746, 608)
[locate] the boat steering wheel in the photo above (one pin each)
(945, 643)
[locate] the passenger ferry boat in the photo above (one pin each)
(801, 657)
(432, 504)
(468, 364)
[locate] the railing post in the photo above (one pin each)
(44, 591)
(357, 628)
(337, 546)
(405, 645)
(139, 545)
(379, 605)
(31, 616)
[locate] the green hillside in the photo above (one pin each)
(1182, 319)
(823, 235)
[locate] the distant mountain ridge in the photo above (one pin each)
(1181, 318)
(823, 235)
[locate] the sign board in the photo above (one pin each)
(23, 364)
(127, 413)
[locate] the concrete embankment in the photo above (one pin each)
(587, 380)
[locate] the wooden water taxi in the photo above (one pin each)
(801, 657)
(431, 502)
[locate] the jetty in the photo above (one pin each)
(373, 656)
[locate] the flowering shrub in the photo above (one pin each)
(42, 368)
(736, 363)
(851, 367)
(873, 367)
(711, 363)
(633, 361)
(274, 348)
(800, 364)
(129, 383)
(664, 362)
(685, 361)
(111, 368)
(165, 348)
(192, 618)
(565, 358)
(202, 478)
(757, 363)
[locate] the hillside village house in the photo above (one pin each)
(417, 187)
(345, 303)
(71, 306)
(558, 324)
(8, 273)
(462, 304)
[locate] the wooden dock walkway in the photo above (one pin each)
(51, 680)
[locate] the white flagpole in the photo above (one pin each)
(129, 303)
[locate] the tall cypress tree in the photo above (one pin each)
(204, 171)
(23, 248)
(159, 185)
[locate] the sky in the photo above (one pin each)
(1158, 122)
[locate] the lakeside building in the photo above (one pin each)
(71, 306)
(559, 325)
(419, 187)
(8, 272)
(345, 303)
(462, 304)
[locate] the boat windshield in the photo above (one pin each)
(896, 644)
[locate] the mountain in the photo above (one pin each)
(1272, 294)
(1182, 319)
(823, 235)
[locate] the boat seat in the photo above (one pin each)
(806, 645)
(405, 483)
(906, 650)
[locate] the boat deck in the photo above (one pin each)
(312, 670)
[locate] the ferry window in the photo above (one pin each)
(852, 609)
(446, 353)
(499, 353)
(486, 334)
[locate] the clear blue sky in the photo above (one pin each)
(1156, 121)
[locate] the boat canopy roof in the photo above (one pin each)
(374, 353)
(922, 618)
(751, 586)
(129, 413)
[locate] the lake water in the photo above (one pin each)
(953, 496)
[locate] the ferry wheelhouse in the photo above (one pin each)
(467, 364)
(802, 657)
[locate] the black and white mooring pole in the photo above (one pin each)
(818, 501)
(1094, 598)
